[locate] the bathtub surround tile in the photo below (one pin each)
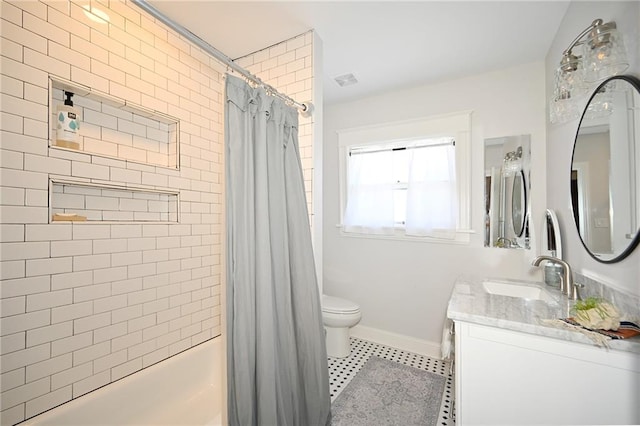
(142, 322)
(125, 314)
(25, 357)
(12, 306)
(71, 343)
(71, 280)
(12, 269)
(91, 322)
(19, 214)
(12, 379)
(12, 415)
(23, 322)
(25, 286)
(71, 311)
(30, 250)
(125, 369)
(25, 392)
(109, 361)
(11, 159)
(70, 248)
(62, 232)
(40, 301)
(71, 375)
(155, 356)
(91, 383)
(114, 273)
(44, 402)
(49, 333)
(13, 196)
(49, 267)
(91, 353)
(11, 343)
(110, 332)
(48, 367)
(127, 341)
(343, 370)
(96, 291)
(126, 286)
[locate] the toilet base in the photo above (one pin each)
(338, 342)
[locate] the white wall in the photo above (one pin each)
(624, 275)
(403, 287)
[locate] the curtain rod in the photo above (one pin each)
(306, 107)
(402, 148)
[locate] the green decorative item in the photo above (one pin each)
(596, 314)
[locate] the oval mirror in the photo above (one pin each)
(605, 170)
(551, 241)
(518, 203)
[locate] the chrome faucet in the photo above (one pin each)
(505, 242)
(567, 286)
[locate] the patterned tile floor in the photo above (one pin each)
(342, 370)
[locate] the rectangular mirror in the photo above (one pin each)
(507, 163)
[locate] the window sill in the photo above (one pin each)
(462, 237)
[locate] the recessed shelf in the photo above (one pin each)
(115, 128)
(110, 203)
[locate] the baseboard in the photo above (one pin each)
(406, 343)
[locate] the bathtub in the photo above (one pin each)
(185, 389)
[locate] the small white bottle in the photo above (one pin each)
(67, 123)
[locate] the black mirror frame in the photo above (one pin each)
(520, 232)
(635, 82)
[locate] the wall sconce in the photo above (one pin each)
(603, 55)
(601, 104)
(512, 162)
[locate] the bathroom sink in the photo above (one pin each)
(517, 290)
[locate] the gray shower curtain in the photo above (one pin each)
(276, 357)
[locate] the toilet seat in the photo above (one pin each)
(336, 305)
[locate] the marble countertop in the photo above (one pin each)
(470, 302)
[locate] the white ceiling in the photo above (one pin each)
(386, 44)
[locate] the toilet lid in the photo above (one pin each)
(336, 305)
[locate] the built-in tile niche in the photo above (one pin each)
(105, 203)
(116, 128)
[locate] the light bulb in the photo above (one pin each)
(603, 54)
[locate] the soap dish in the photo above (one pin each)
(68, 217)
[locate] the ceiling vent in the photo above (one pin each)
(346, 80)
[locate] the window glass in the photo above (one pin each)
(411, 186)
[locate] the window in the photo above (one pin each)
(407, 179)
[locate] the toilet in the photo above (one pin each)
(338, 315)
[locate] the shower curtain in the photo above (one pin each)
(276, 356)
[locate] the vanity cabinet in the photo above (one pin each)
(511, 377)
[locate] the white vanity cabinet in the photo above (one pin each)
(511, 377)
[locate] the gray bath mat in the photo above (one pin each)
(388, 393)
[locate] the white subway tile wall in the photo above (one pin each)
(83, 305)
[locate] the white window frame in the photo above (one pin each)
(457, 125)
